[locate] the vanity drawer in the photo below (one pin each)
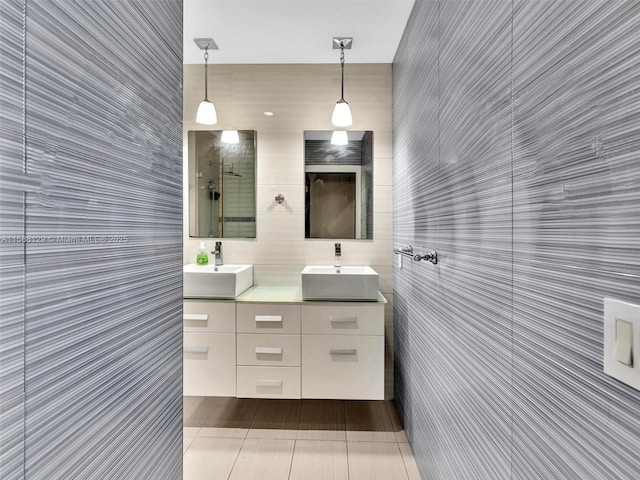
(268, 382)
(268, 318)
(209, 367)
(209, 316)
(343, 367)
(343, 319)
(269, 350)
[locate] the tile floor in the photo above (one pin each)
(260, 439)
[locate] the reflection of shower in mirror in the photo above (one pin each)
(223, 203)
(231, 173)
(214, 194)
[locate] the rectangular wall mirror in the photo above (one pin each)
(338, 185)
(222, 183)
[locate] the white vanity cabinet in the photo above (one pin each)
(269, 343)
(343, 350)
(268, 350)
(209, 345)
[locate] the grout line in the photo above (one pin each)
(388, 404)
(295, 444)
(213, 407)
(386, 409)
(406, 472)
(23, 315)
(253, 419)
(511, 392)
(244, 440)
(189, 446)
(301, 405)
(404, 461)
(346, 442)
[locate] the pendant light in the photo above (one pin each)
(206, 110)
(339, 137)
(230, 136)
(342, 112)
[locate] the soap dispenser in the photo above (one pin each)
(202, 258)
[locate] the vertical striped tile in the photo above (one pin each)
(415, 152)
(472, 204)
(453, 132)
(100, 277)
(576, 234)
(12, 273)
(515, 137)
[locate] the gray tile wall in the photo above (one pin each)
(96, 292)
(12, 272)
(516, 144)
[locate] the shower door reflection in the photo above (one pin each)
(222, 200)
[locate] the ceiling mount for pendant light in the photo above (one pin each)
(206, 110)
(342, 112)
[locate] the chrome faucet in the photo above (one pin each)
(338, 252)
(217, 253)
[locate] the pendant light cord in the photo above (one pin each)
(206, 57)
(342, 67)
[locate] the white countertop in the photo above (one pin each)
(286, 294)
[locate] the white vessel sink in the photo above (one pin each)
(339, 283)
(210, 281)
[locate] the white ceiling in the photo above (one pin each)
(294, 31)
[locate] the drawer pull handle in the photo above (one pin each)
(198, 317)
(195, 349)
(268, 383)
(333, 319)
(269, 318)
(269, 350)
(343, 351)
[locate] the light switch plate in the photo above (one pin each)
(614, 312)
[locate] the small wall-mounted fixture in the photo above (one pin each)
(339, 137)
(232, 173)
(342, 112)
(206, 110)
(279, 198)
(432, 256)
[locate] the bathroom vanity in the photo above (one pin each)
(269, 343)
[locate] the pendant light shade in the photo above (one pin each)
(206, 110)
(342, 112)
(230, 136)
(339, 137)
(206, 113)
